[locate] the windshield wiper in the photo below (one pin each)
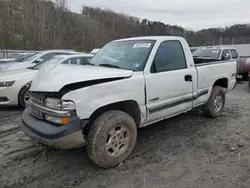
(109, 65)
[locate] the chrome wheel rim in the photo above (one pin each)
(117, 141)
(218, 102)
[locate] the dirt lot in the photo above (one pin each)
(187, 151)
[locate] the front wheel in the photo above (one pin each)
(216, 102)
(111, 138)
(24, 96)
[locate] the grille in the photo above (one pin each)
(37, 99)
(37, 113)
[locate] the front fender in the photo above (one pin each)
(91, 98)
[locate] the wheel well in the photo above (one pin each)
(130, 107)
(19, 94)
(223, 82)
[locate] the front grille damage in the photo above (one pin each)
(38, 99)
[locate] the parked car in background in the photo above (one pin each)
(34, 59)
(215, 53)
(193, 49)
(243, 67)
(14, 85)
(14, 57)
(94, 51)
(23, 57)
(130, 83)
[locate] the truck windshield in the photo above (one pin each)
(207, 53)
(129, 55)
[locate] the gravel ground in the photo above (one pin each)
(190, 150)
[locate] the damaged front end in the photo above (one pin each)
(53, 121)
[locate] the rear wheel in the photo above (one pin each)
(24, 96)
(216, 102)
(112, 138)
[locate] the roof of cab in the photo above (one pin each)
(151, 38)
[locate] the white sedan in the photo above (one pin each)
(14, 85)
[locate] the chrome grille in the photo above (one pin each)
(37, 99)
(37, 113)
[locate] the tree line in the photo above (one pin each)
(39, 24)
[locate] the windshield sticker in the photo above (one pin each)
(142, 45)
(136, 65)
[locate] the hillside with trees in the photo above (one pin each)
(39, 24)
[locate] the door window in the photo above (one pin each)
(74, 61)
(234, 54)
(225, 55)
(169, 57)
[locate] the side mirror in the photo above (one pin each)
(39, 60)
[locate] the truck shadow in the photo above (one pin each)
(7, 109)
(156, 144)
(165, 135)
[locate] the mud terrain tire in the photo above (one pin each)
(111, 138)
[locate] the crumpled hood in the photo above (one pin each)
(54, 79)
(17, 75)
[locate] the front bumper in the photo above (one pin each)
(63, 137)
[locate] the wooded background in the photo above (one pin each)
(39, 24)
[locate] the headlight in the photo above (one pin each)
(58, 120)
(7, 84)
(67, 105)
(58, 104)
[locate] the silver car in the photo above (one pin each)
(34, 59)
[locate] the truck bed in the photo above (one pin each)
(208, 72)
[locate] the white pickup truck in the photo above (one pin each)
(130, 83)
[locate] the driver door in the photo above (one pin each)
(169, 85)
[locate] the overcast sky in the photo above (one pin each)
(191, 14)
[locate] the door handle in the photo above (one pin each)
(188, 78)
